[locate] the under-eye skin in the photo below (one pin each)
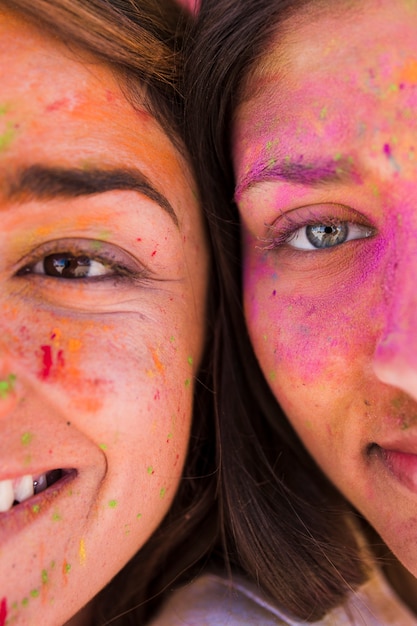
(81, 260)
(315, 232)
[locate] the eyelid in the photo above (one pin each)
(107, 253)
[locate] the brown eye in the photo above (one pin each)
(70, 266)
(66, 265)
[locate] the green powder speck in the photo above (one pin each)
(7, 385)
(162, 492)
(44, 577)
(7, 137)
(113, 504)
(34, 593)
(26, 438)
(25, 602)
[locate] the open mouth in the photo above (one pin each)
(15, 491)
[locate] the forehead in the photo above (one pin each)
(328, 73)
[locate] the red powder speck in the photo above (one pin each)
(153, 253)
(46, 361)
(387, 149)
(139, 239)
(57, 104)
(110, 96)
(60, 358)
(3, 611)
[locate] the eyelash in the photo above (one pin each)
(114, 269)
(283, 232)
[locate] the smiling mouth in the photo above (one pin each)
(15, 491)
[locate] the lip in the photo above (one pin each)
(400, 462)
(36, 507)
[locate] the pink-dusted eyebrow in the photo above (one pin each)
(299, 172)
(41, 182)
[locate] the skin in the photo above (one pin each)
(334, 329)
(98, 372)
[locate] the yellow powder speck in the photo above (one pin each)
(81, 552)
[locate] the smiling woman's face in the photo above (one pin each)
(326, 163)
(103, 269)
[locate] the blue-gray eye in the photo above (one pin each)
(326, 236)
(320, 236)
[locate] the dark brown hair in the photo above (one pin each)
(286, 526)
(141, 42)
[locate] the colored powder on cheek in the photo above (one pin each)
(74, 345)
(26, 439)
(113, 504)
(159, 366)
(409, 72)
(81, 552)
(3, 611)
(57, 104)
(7, 137)
(7, 385)
(66, 567)
(46, 361)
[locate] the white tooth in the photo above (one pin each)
(6, 495)
(23, 488)
(39, 483)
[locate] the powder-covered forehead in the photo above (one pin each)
(320, 20)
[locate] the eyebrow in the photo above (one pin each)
(312, 174)
(40, 182)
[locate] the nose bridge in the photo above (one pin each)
(395, 357)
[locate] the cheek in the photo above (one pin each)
(309, 325)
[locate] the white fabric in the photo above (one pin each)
(215, 601)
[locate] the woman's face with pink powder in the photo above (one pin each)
(325, 156)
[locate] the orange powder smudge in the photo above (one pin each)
(408, 73)
(159, 366)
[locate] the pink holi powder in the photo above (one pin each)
(191, 5)
(3, 611)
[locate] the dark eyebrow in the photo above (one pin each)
(313, 174)
(41, 182)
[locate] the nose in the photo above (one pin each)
(395, 356)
